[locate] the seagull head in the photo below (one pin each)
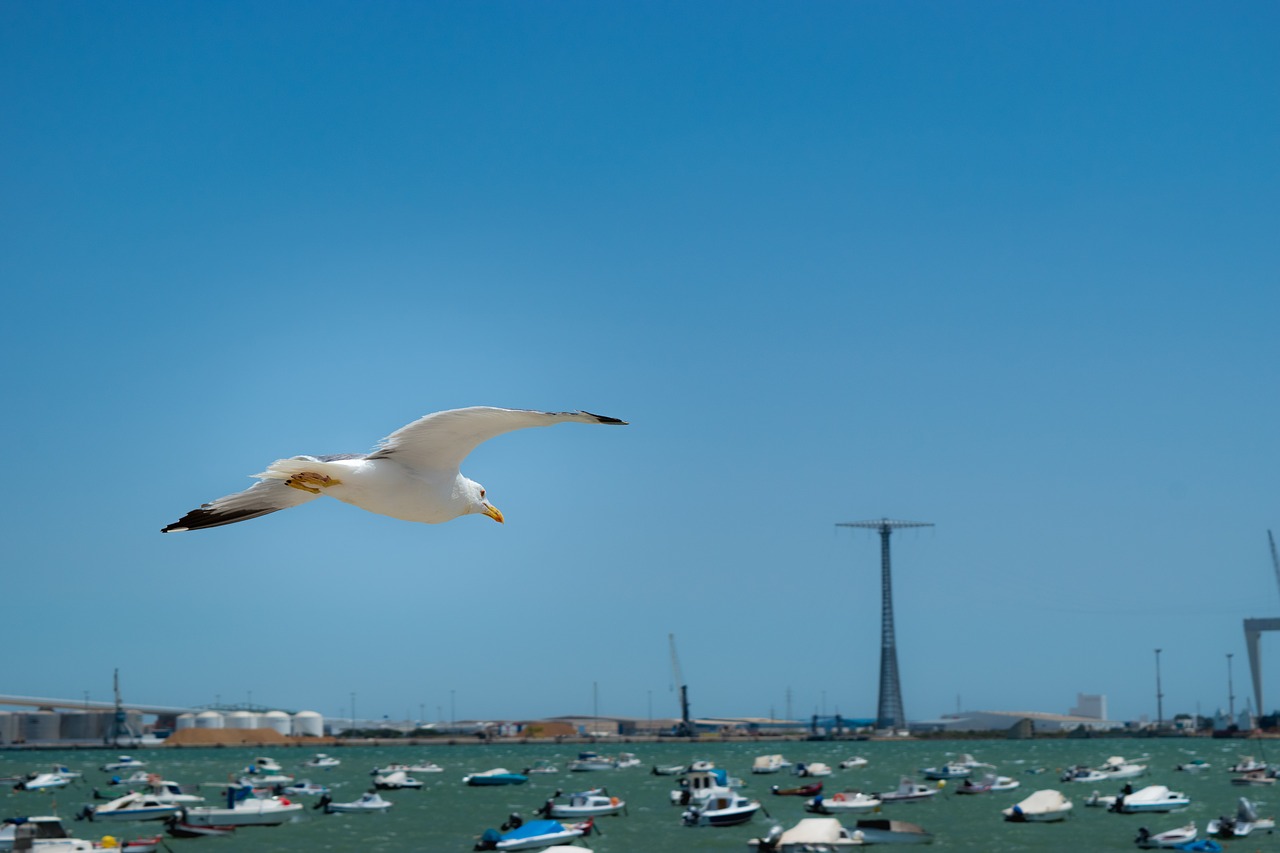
(476, 502)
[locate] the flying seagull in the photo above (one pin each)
(412, 475)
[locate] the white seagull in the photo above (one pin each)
(412, 475)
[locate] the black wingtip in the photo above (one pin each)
(605, 419)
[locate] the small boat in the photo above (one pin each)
(243, 808)
(908, 791)
(181, 829)
(1169, 839)
(668, 769)
(425, 767)
(132, 806)
(881, 831)
(1246, 764)
(305, 788)
(1044, 806)
(843, 802)
(811, 790)
(263, 764)
(123, 762)
(322, 761)
(768, 764)
(1116, 767)
(542, 765)
(810, 834)
(988, 784)
(138, 777)
(1246, 820)
(395, 781)
(533, 835)
(813, 768)
(725, 807)
(1257, 778)
(1083, 773)
(625, 760)
(148, 844)
(595, 803)
(42, 782)
(167, 791)
(588, 761)
(40, 832)
(1153, 798)
(699, 784)
(856, 762)
(496, 776)
(950, 770)
(1195, 765)
(370, 802)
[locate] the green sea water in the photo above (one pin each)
(446, 816)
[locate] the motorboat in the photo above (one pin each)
(669, 769)
(701, 764)
(264, 765)
(856, 762)
(625, 760)
(908, 791)
(542, 765)
(149, 844)
(321, 761)
(813, 768)
(1083, 773)
(811, 833)
(1153, 798)
(725, 807)
(1117, 767)
(243, 808)
(532, 835)
(1195, 765)
(42, 782)
(1247, 764)
(496, 776)
(1169, 839)
(588, 761)
(842, 802)
(813, 789)
(132, 806)
(1043, 806)
(948, 771)
(167, 791)
(1244, 823)
(988, 784)
(395, 781)
(1257, 778)
(882, 831)
(595, 803)
(40, 833)
(370, 802)
(1098, 800)
(425, 767)
(699, 784)
(305, 788)
(180, 829)
(967, 760)
(123, 762)
(137, 777)
(768, 764)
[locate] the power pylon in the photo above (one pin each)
(889, 713)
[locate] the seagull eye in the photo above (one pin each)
(482, 493)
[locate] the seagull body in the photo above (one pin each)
(413, 474)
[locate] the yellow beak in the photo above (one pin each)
(493, 512)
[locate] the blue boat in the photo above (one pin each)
(534, 835)
(496, 776)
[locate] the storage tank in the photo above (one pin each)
(87, 725)
(308, 724)
(241, 720)
(277, 720)
(184, 721)
(41, 727)
(8, 727)
(209, 720)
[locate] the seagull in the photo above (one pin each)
(412, 475)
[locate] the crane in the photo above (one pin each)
(1275, 558)
(685, 728)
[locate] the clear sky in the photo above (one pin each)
(1010, 268)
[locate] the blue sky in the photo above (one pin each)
(1008, 268)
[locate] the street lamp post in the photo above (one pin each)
(1159, 695)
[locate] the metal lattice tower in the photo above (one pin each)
(889, 713)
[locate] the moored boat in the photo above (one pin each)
(883, 831)
(132, 806)
(812, 768)
(1152, 798)
(39, 833)
(948, 771)
(597, 803)
(908, 791)
(322, 762)
(123, 762)
(768, 764)
(724, 807)
(370, 802)
(856, 762)
(395, 781)
(990, 783)
(1043, 806)
(1169, 839)
(532, 835)
(843, 802)
(243, 808)
(496, 776)
(813, 789)
(810, 834)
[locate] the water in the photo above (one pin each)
(446, 816)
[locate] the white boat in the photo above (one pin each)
(768, 764)
(842, 802)
(369, 803)
(395, 781)
(167, 791)
(1246, 764)
(1169, 839)
(40, 834)
(1083, 773)
(908, 791)
(988, 784)
(533, 835)
(625, 760)
(425, 767)
(882, 831)
(950, 770)
(810, 834)
(1116, 767)
(132, 806)
(263, 764)
(137, 777)
(1153, 798)
(123, 762)
(243, 808)
(305, 788)
(588, 761)
(1245, 822)
(967, 760)
(1044, 806)
(856, 762)
(1195, 765)
(700, 784)
(812, 768)
(496, 776)
(724, 807)
(1257, 778)
(42, 782)
(542, 765)
(322, 761)
(582, 805)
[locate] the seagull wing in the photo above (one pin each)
(259, 499)
(440, 441)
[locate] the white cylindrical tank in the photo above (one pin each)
(41, 727)
(209, 720)
(308, 724)
(86, 725)
(8, 727)
(277, 720)
(184, 721)
(240, 720)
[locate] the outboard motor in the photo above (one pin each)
(514, 821)
(771, 838)
(489, 840)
